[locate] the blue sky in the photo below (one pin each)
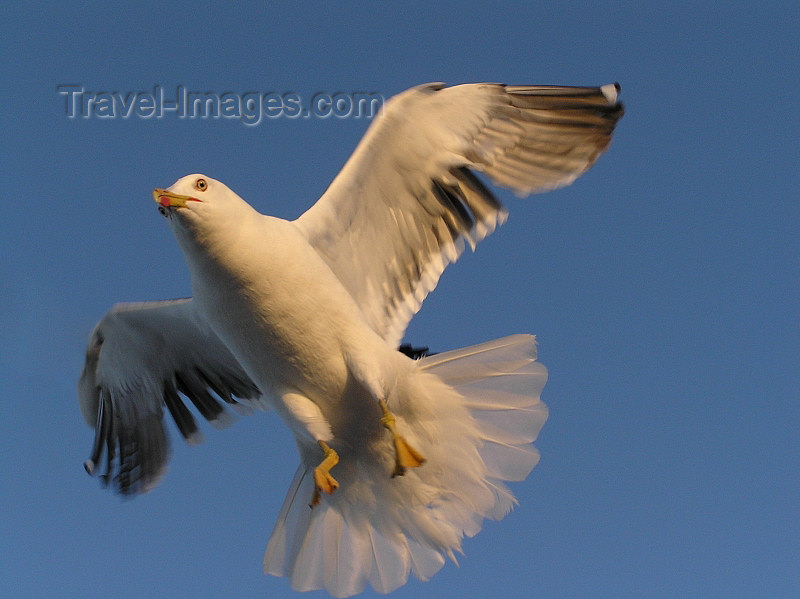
(662, 286)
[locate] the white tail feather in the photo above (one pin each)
(473, 414)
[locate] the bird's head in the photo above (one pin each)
(206, 217)
(194, 204)
(194, 194)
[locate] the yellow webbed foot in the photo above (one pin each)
(323, 481)
(405, 455)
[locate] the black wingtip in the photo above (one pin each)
(102, 433)
(415, 353)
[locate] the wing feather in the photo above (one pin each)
(140, 358)
(407, 202)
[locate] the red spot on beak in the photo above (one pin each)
(164, 200)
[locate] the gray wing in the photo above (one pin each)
(140, 358)
(406, 202)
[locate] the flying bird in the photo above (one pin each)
(402, 454)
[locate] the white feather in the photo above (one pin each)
(377, 529)
(379, 225)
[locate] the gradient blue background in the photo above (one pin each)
(662, 286)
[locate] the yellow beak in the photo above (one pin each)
(171, 200)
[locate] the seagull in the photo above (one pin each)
(402, 453)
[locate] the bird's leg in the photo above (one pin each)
(405, 455)
(323, 481)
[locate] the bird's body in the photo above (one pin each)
(400, 458)
(290, 323)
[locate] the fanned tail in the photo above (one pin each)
(473, 413)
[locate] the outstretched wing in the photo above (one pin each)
(140, 358)
(404, 204)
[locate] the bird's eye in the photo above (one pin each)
(201, 185)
